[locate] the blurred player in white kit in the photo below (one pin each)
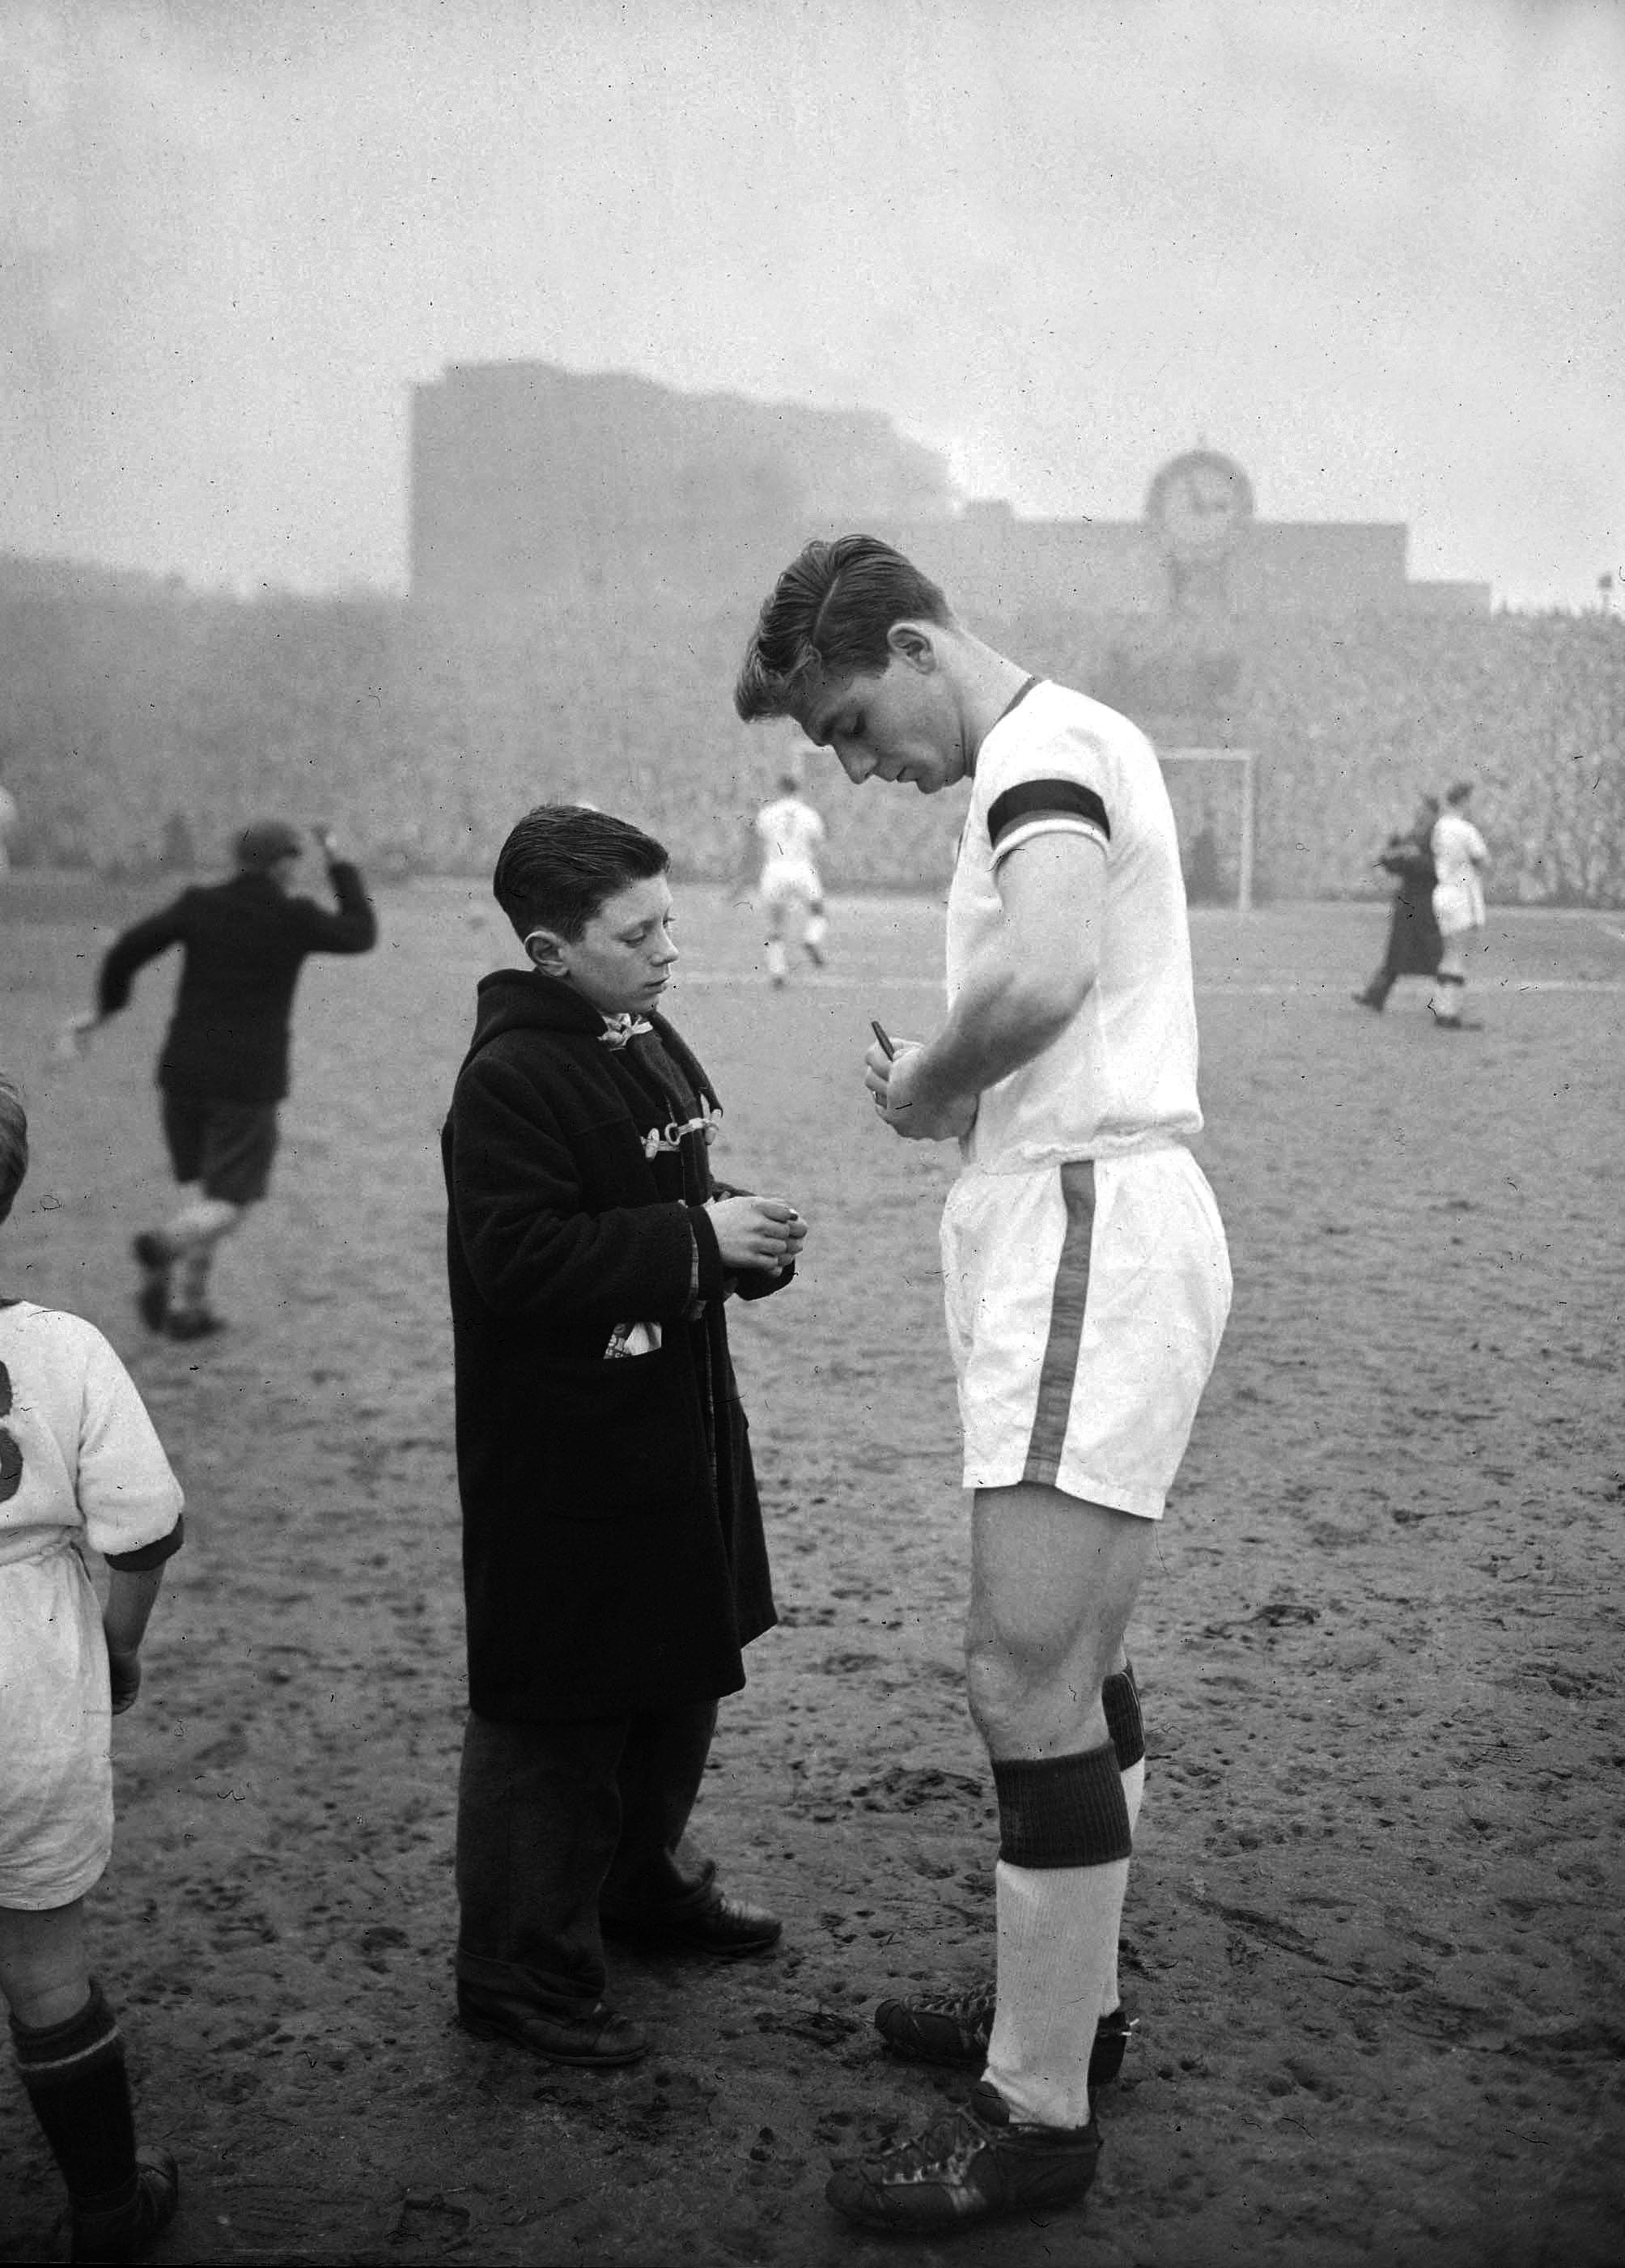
(1460, 853)
(787, 834)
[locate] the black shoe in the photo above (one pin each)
(600, 2040)
(152, 1296)
(124, 2233)
(971, 2164)
(195, 1323)
(1368, 1000)
(956, 2028)
(726, 1928)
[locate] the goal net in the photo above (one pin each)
(1211, 792)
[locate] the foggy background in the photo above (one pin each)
(1372, 250)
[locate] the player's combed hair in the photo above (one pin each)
(561, 862)
(828, 615)
(13, 1142)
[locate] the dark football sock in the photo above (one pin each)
(1119, 1696)
(75, 2078)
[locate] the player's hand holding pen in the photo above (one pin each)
(891, 1071)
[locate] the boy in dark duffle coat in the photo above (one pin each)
(614, 1565)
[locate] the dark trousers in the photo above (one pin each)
(559, 1823)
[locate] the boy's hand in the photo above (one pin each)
(124, 1678)
(762, 1233)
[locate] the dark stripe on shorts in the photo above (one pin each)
(1066, 1326)
(1052, 798)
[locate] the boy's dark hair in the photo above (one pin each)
(13, 1142)
(561, 862)
(829, 614)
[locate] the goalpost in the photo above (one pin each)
(1212, 791)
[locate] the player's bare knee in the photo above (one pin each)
(1026, 1699)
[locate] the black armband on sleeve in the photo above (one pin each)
(150, 1555)
(1051, 799)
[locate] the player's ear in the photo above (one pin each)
(911, 643)
(544, 949)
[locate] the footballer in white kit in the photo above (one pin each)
(1085, 1275)
(1086, 1285)
(1460, 853)
(789, 835)
(1458, 850)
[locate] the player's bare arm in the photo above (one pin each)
(1018, 997)
(132, 1595)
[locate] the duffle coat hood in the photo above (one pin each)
(613, 1549)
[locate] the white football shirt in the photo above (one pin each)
(790, 829)
(1122, 1075)
(1458, 848)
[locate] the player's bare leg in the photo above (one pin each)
(44, 1972)
(957, 2027)
(1449, 998)
(778, 950)
(814, 932)
(71, 2063)
(1053, 1582)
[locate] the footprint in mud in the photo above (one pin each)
(909, 1787)
(429, 2220)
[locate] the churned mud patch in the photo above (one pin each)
(1373, 1941)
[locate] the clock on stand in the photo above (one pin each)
(1198, 507)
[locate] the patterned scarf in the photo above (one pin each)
(619, 1029)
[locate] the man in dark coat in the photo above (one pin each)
(1413, 942)
(224, 1068)
(613, 1561)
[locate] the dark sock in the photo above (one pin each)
(1119, 1696)
(1061, 1811)
(74, 2074)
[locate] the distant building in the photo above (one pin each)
(527, 479)
(1198, 554)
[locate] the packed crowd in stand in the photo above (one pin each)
(139, 725)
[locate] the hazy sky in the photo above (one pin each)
(1373, 248)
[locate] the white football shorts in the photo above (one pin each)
(1085, 1304)
(789, 882)
(1458, 907)
(56, 1732)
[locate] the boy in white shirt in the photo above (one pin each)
(81, 1468)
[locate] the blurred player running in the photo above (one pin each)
(787, 834)
(224, 1069)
